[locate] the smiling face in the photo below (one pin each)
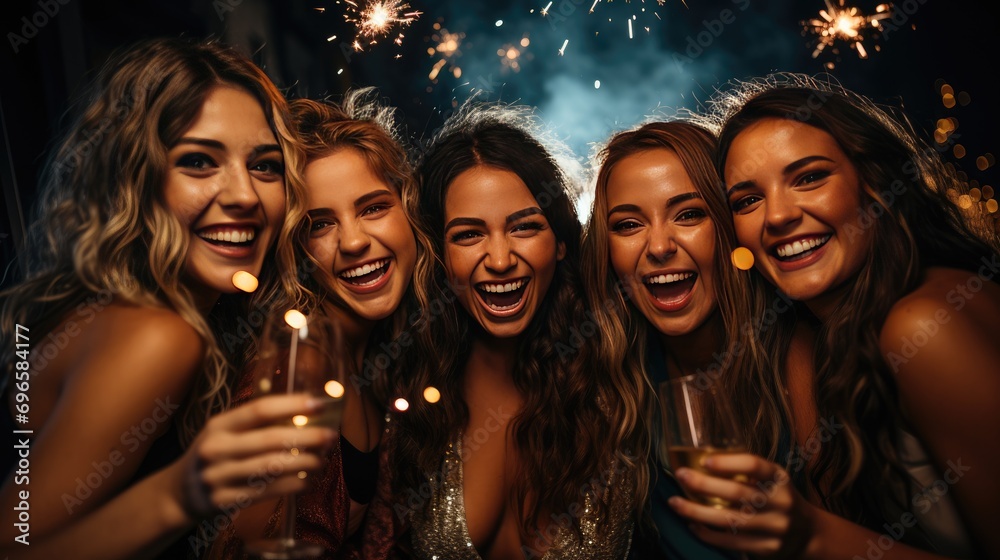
(796, 207)
(499, 251)
(359, 234)
(225, 183)
(661, 241)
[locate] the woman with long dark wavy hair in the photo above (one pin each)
(529, 450)
(852, 217)
(170, 181)
(656, 261)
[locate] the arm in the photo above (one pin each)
(949, 388)
(220, 472)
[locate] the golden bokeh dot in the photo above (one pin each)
(430, 51)
(992, 161)
(742, 258)
(294, 451)
(959, 151)
(948, 100)
(265, 385)
(963, 176)
(991, 205)
(982, 163)
(334, 388)
(302, 475)
(401, 404)
(940, 136)
(437, 26)
(947, 90)
(964, 98)
(975, 195)
(432, 395)
(964, 201)
(300, 420)
(245, 281)
(952, 194)
(987, 192)
(295, 319)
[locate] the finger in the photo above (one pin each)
(264, 411)
(763, 545)
(244, 496)
(220, 446)
(736, 519)
(259, 469)
(732, 464)
(714, 487)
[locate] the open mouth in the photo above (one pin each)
(366, 275)
(797, 250)
(669, 289)
(502, 297)
(228, 237)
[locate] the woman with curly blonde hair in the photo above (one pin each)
(170, 182)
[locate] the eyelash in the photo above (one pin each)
(276, 167)
(625, 225)
(375, 209)
(197, 161)
(813, 176)
(691, 214)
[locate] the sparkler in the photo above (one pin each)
(447, 47)
(376, 19)
(635, 11)
(845, 23)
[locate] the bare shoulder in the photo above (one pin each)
(156, 332)
(950, 323)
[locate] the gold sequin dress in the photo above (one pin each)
(440, 532)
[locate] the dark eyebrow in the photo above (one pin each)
(364, 199)
(533, 211)
(266, 148)
(202, 142)
(742, 185)
(799, 164)
(465, 222)
(683, 197)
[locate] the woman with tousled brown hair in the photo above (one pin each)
(657, 271)
(358, 250)
(853, 218)
(529, 451)
(170, 181)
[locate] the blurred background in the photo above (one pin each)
(590, 67)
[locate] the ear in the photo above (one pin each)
(560, 250)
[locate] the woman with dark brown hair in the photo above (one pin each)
(528, 452)
(852, 217)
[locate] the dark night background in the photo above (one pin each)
(940, 41)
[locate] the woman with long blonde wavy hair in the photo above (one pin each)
(169, 182)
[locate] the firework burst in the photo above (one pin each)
(840, 23)
(377, 19)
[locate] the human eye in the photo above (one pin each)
(528, 228)
(375, 209)
(196, 161)
(269, 168)
(692, 215)
(745, 203)
(814, 176)
(319, 224)
(625, 226)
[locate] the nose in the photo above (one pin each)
(780, 211)
(238, 190)
(499, 257)
(354, 239)
(661, 244)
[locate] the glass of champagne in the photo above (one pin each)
(697, 423)
(299, 353)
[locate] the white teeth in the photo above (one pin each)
(668, 278)
(502, 288)
(799, 247)
(230, 236)
(365, 269)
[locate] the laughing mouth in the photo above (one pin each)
(367, 274)
(670, 287)
(229, 237)
(800, 249)
(502, 296)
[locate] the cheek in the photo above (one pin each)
(321, 249)
(747, 231)
(623, 255)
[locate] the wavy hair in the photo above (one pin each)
(101, 226)
(921, 228)
(625, 330)
(574, 415)
(362, 123)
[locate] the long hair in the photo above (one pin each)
(625, 330)
(362, 123)
(101, 226)
(919, 228)
(573, 415)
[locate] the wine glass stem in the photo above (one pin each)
(288, 527)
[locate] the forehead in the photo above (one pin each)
(487, 193)
(231, 113)
(340, 178)
(649, 176)
(778, 142)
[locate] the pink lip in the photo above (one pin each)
(673, 305)
(389, 269)
(506, 313)
(233, 252)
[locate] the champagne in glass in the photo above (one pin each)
(299, 354)
(697, 423)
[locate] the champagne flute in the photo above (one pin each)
(299, 354)
(697, 423)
